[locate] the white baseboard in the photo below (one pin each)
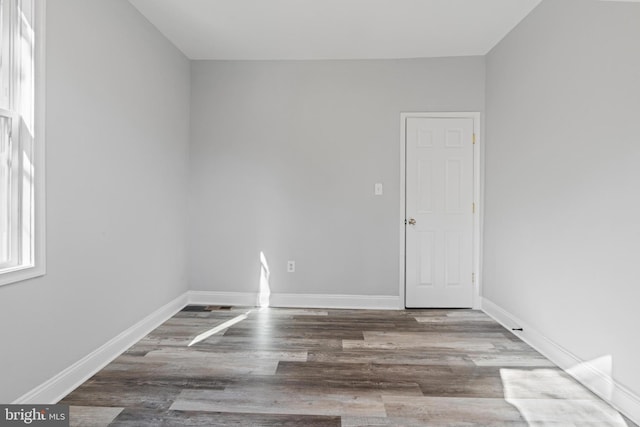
(366, 302)
(586, 372)
(370, 302)
(65, 382)
(248, 299)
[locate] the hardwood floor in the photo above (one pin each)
(292, 367)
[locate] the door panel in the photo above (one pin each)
(426, 258)
(439, 197)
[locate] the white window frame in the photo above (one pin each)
(37, 265)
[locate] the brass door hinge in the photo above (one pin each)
(474, 139)
(473, 278)
(473, 207)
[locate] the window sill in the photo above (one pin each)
(18, 274)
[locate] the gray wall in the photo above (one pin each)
(284, 158)
(117, 140)
(562, 212)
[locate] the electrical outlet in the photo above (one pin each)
(291, 266)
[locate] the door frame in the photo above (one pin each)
(478, 197)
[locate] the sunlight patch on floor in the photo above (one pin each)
(550, 395)
(203, 336)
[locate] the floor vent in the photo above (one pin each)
(206, 307)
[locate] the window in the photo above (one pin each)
(20, 145)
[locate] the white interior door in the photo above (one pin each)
(439, 212)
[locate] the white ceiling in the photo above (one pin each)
(333, 29)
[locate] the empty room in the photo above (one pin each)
(319, 212)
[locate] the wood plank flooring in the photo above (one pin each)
(293, 367)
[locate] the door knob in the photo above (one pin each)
(412, 221)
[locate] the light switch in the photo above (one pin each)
(378, 189)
